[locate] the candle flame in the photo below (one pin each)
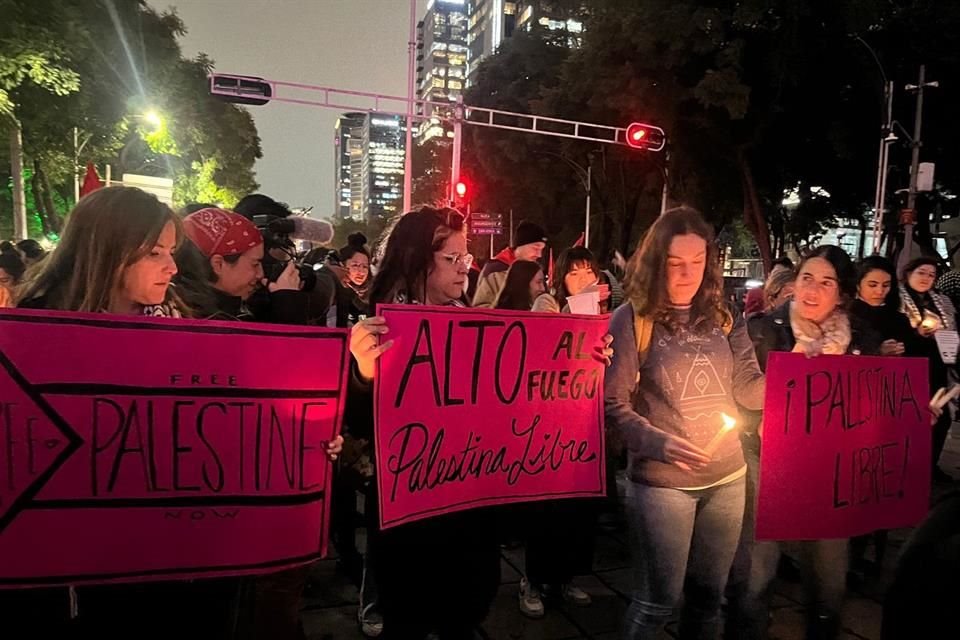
(728, 422)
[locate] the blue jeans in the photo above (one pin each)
(683, 543)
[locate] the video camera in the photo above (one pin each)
(280, 233)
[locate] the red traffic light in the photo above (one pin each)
(461, 189)
(645, 136)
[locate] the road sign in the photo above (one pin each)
(486, 224)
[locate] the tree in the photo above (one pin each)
(32, 53)
(207, 146)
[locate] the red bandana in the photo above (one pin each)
(221, 232)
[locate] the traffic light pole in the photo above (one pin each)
(241, 89)
(411, 84)
(910, 220)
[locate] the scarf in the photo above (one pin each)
(165, 310)
(831, 337)
(915, 315)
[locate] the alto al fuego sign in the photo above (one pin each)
(483, 407)
(148, 449)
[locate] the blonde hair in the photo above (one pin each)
(108, 231)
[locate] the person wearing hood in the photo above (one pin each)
(529, 242)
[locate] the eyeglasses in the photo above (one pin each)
(458, 258)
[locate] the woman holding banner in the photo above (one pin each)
(681, 365)
(115, 256)
(441, 574)
(815, 322)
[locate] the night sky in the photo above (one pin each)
(350, 44)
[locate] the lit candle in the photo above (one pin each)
(929, 321)
(728, 426)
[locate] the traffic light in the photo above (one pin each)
(240, 89)
(646, 137)
(461, 190)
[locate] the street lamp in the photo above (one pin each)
(154, 119)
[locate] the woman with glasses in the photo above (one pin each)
(438, 575)
(933, 319)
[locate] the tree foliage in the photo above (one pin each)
(96, 67)
(759, 98)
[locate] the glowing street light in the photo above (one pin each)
(153, 119)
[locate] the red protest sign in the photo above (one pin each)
(846, 446)
(478, 408)
(138, 449)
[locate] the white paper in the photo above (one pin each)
(947, 342)
(587, 304)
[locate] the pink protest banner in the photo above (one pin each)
(478, 408)
(139, 449)
(846, 446)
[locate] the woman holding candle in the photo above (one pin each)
(815, 322)
(934, 320)
(680, 366)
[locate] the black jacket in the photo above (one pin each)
(888, 322)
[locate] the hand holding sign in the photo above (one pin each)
(364, 338)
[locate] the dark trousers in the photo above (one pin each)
(823, 565)
(276, 607)
(437, 575)
(940, 430)
(559, 540)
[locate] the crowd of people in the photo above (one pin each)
(690, 508)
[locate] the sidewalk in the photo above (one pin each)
(330, 604)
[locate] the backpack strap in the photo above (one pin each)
(643, 332)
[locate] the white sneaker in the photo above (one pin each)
(531, 602)
(371, 622)
(574, 595)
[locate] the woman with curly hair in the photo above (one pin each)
(680, 365)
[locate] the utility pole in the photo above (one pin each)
(586, 232)
(909, 215)
(411, 83)
(886, 139)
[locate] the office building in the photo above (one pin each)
(347, 151)
(383, 140)
(490, 22)
(441, 63)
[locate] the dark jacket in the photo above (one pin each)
(887, 322)
(772, 332)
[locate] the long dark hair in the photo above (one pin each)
(195, 280)
(406, 254)
(914, 264)
(842, 265)
(646, 279)
(515, 294)
(879, 263)
(568, 259)
(108, 230)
